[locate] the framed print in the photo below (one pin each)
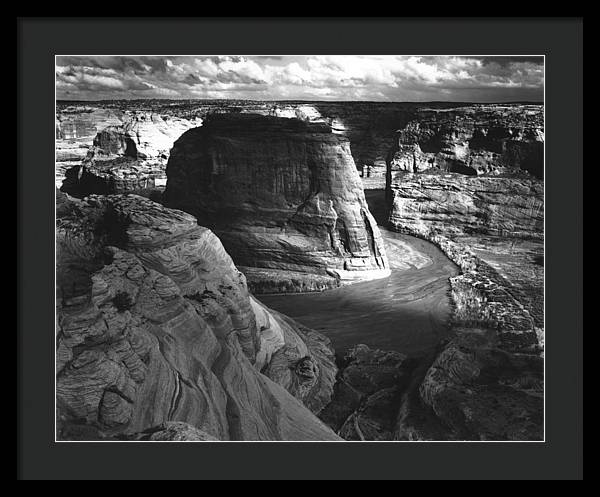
(318, 250)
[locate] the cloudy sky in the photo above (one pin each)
(339, 77)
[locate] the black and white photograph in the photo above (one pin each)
(300, 248)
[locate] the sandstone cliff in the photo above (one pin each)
(155, 324)
(472, 140)
(457, 204)
(128, 155)
(284, 197)
(486, 381)
(475, 138)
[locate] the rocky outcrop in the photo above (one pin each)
(284, 197)
(451, 210)
(486, 381)
(481, 391)
(472, 140)
(117, 175)
(456, 204)
(471, 388)
(127, 157)
(76, 128)
(142, 136)
(155, 325)
(368, 394)
(467, 182)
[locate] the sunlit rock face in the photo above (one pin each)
(283, 195)
(127, 157)
(472, 140)
(156, 325)
(456, 204)
(302, 112)
(76, 127)
(143, 136)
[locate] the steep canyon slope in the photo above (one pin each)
(156, 325)
(473, 140)
(484, 207)
(284, 197)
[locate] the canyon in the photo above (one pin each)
(299, 271)
(284, 197)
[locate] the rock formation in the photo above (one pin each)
(76, 128)
(158, 337)
(472, 140)
(486, 381)
(284, 197)
(469, 181)
(481, 391)
(143, 136)
(155, 324)
(489, 136)
(457, 204)
(127, 157)
(368, 393)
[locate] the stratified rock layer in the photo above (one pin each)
(486, 381)
(128, 157)
(457, 204)
(283, 195)
(155, 324)
(472, 140)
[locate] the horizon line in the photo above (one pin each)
(533, 102)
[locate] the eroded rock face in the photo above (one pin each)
(368, 394)
(115, 175)
(486, 382)
(454, 211)
(470, 183)
(283, 195)
(457, 204)
(155, 324)
(142, 136)
(472, 140)
(482, 392)
(76, 128)
(127, 157)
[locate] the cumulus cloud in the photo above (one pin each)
(387, 78)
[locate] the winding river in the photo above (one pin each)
(407, 311)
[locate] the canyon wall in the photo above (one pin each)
(457, 204)
(283, 195)
(472, 184)
(127, 153)
(473, 140)
(472, 137)
(155, 325)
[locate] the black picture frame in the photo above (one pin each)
(559, 457)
